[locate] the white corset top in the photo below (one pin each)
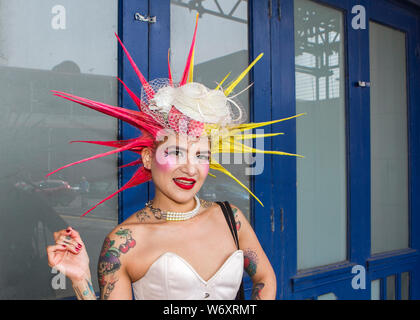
(170, 277)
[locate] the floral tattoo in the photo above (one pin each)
(250, 262)
(109, 261)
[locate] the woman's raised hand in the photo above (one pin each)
(69, 255)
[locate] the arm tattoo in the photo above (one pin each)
(109, 261)
(256, 289)
(238, 222)
(250, 262)
(84, 290)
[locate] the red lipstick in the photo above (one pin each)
(184, 183)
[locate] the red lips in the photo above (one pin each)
(184, 183)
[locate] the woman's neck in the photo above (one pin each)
(165, 203)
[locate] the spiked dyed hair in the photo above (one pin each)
(229, 137)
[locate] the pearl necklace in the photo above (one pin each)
(174, 216)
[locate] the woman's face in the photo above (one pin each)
(179, 166)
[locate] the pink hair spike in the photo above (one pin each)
(169, 70)
(149, 91)
(190, 55)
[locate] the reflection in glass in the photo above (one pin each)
(388, 139)
(222, 47)
(320, 135)
(38, 53)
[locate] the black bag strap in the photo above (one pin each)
(228, 213)
(230, 219)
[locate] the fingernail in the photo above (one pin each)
(68, 230)
(64, 245)
(79, 245)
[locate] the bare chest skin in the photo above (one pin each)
(204, 241)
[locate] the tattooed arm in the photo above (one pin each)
(84, 289)
(256, 263)
(113, 278)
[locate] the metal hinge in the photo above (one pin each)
(270, 9)
(272, 220)
(281, 220)
(139, 17)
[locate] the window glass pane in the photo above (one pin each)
(375, 290)
(388, 134)
(66, 46)
(221, 47)
(390, 287)
(327, 296)
(405, 286)
(320, 135)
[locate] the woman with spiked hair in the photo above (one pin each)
(178, 246)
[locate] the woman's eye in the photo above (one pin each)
(176, 153)
(203, 157)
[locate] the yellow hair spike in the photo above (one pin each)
(220, 84)
(253, 136)
(229, 139)
(253, 125)
(219, 167)
(235, 147)
(242, 75)
(191, 73)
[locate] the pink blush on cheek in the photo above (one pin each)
(166, 163)
(204, 168)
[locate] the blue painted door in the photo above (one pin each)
(347, 212)
(149, 43)
(318, 225)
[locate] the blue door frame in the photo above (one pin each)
(337, 277)
(148, 44)
(382, 265)
(271, 30)
(135, 37)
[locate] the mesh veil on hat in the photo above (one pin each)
(187, 108)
